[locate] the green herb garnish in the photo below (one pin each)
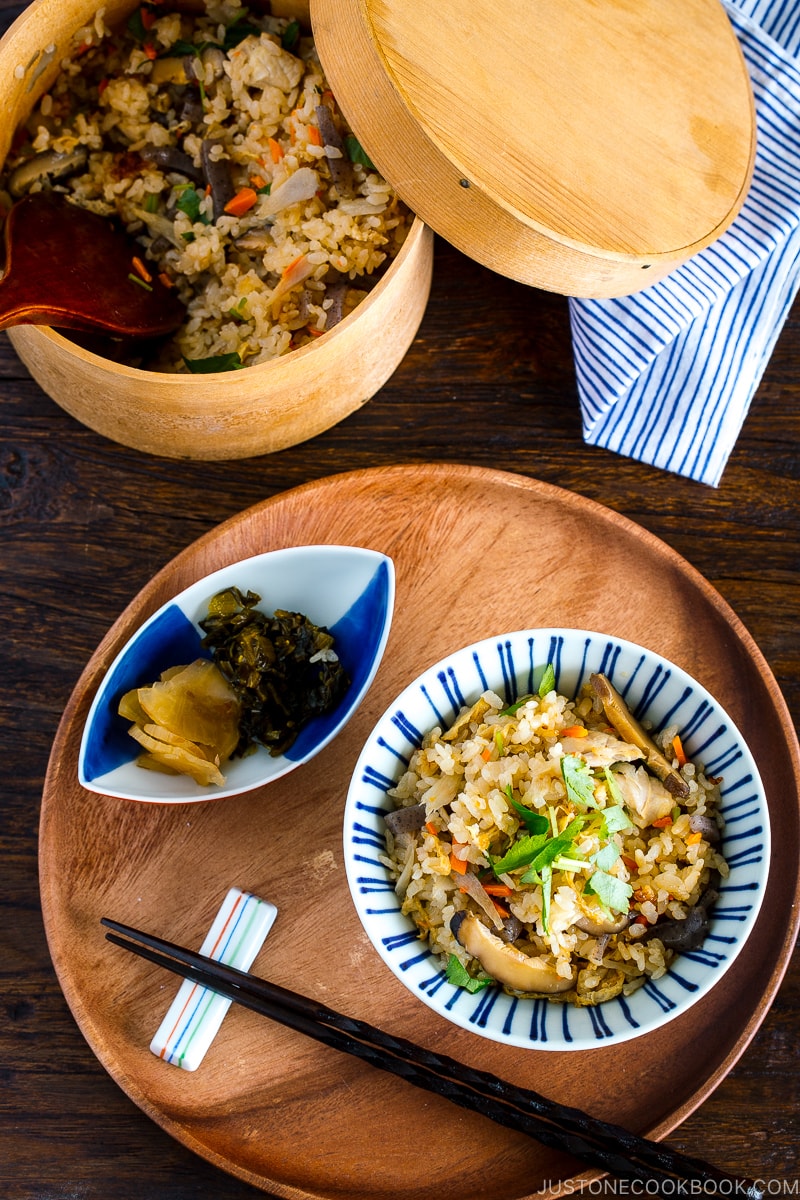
(534, 822)
(615, 819)
(521, 854)
(237, 32)
(578, 780)
(214, 363)
(189, 202)
(356, 152)
(609, 890)
(552, 848)
(515, 707)
(459, 976)
(548, 681)
(606, 856)
(135, 26)
(291, 35)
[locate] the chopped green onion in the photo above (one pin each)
(562, 863)
(140, 282)
(547, 888)
(151, 202)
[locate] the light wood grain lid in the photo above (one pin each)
(584, 147)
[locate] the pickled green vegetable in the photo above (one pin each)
(283, 668)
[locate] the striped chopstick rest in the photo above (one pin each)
(195, 1015)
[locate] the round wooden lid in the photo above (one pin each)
(585, 148)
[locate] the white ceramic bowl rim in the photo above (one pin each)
(511, 665)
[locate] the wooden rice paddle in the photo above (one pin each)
(72, 269)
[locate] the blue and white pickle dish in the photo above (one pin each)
(660, 696)
(347, 590)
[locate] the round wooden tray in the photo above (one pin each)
(477, 552)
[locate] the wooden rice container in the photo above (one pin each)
(587, 149)
(240, 414)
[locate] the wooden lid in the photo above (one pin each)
(585, 148)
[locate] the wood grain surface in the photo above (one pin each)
(167, 867)
(584, 148)
(87, 523)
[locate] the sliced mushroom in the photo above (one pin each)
(48, 166)
(626, 725)
(504, 963)
(406, 820)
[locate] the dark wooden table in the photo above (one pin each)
(85, 523)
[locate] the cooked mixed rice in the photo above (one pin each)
(216, 141)
(533, 847)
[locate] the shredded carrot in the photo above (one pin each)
(486, 754)
(242, 202)
(141, 270)
(662, 822)
(457, 864)
(640, 920)
(148, 17)
(165, 279)
(431, 828)
(630, 863)
(258, 181)
(314, 135)
(101, 87)
(694, 838)
(501, 908)
(577, 731)
(497, 889)
(312, 331)
(292, 267)
(677, 746)
(275, 149)
(150, 50)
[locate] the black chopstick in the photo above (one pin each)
(597, 1143)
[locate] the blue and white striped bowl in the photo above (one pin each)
(657, 691)
(348, 589)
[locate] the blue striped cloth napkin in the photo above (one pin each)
(666, 376)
